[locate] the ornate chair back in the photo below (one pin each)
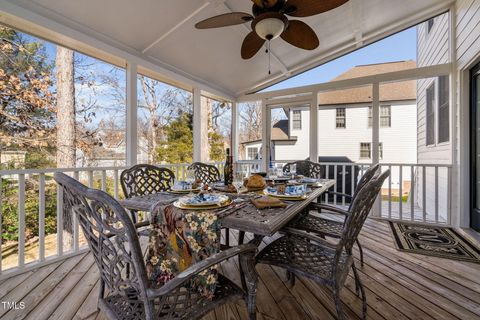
(112, 239)
(206, 173)
(359, 212)
(144, 179)
(306, 168)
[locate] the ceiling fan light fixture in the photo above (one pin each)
(270, 28)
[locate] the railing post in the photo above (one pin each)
(41, 217)
(21, 220)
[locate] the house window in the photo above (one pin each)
(430, 130)
(443, 109)
(366, 150)
(252, 153)
(297, 120)
(341, 118)
(430, 24)
(385, 116)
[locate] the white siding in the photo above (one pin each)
(299, 149)
(432, 48)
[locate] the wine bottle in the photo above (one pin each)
(228, 169)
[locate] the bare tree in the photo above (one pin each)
(66, 133)
(65, 108)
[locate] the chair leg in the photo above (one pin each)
(355, 276)
(241, 237)
(361, 252)
(338, 302)
(290, 278)
(359, 286)
(227, 237)
(250, 277)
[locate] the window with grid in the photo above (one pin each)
(443, 109)
(430, 124)
(365, 150)
(341, 118)
(385, 116)
(252, 153)
(297, 120)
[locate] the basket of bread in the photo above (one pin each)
(255, 183)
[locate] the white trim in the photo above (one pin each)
(314, 128)
(131, 121)
(396, 76)
(178, 25)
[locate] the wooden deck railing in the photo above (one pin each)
(35, 188)
(414, 192)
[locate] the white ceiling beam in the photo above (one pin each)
(356, 17)
(175, 27)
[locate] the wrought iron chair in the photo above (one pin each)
(308, 255)
(114, 243)
(327, 227)
(206, 173)
(144, 179)
(306, 168)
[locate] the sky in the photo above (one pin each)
(399, 47)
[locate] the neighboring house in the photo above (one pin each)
(344, 124)
(434, 125)
(12, 158)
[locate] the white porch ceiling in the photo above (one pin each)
(163, 31)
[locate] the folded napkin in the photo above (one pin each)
(268, 202)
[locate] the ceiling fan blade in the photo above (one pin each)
(224, 20)
(306, 8)
(265, 3)
(300, 35)
(251, 45)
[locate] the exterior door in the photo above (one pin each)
(475, 147)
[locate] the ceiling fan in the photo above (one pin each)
(269, 21)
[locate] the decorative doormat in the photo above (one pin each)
(433, 241)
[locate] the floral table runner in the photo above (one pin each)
(178, 239)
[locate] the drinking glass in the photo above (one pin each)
(238, 179)
(190, 178)
(293, 170)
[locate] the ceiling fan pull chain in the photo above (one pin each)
(269, 56)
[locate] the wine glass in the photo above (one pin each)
(293, 170)
(238, 179)
(190, 178)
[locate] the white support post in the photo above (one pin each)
(266, 132)
(200, 128)
(314, 128)
(375, 123)
(131, 114)
(235, 131)
(376, 210)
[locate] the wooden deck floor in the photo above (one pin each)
(398, 286)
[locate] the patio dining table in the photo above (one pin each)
(247, 217)
(241, 215)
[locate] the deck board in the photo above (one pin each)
(399, 285)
